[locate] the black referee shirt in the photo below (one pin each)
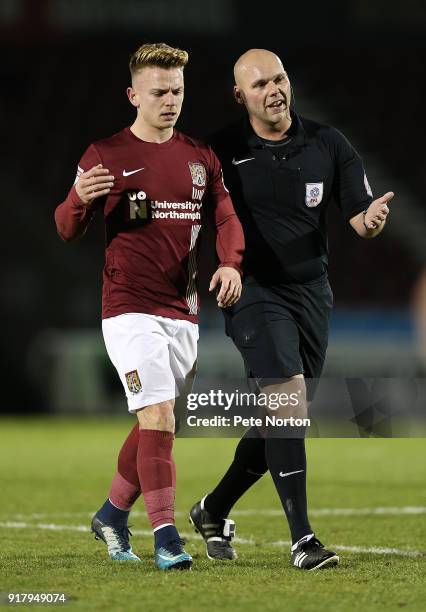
(281, 192)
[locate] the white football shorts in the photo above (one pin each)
(154, 356)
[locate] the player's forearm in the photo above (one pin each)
(229, 235)
(358, 225)
(72, 217)
(230, 243)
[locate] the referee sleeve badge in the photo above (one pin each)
(314, 193)
(367, 186)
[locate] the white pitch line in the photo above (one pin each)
(340, 511)
(375, 550)
(85, 528)
(385, 510)
(190, 536)
(380, 551)
(368, 511)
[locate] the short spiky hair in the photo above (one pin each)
(157, 54)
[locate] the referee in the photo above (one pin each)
(282, 170)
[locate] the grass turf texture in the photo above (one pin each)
(56, 467)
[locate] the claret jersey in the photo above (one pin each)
(153, 217)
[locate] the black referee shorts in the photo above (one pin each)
(281, 330)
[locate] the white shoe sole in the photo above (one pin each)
(331, 561)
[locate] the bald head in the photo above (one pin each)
(262, 86)
(254, 62)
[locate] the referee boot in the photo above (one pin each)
(309, 554)
(217, 533)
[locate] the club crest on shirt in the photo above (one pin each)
(133, 382)
(313, 195)
(198, 174)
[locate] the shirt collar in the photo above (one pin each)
(296, 132)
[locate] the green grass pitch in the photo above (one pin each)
(55, 473)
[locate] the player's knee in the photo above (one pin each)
(157, 416)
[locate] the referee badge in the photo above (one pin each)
(313, 195)
(133, 382)
(367, 186)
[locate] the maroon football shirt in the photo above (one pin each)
(153, 217)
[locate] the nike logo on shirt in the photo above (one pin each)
(290, 473)
(125, 173)
(241, 161)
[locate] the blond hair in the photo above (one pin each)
(157, 54)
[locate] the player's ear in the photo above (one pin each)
(237, 95)
(133, 97)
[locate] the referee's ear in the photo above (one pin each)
(238, 95)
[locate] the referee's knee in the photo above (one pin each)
(286, 398)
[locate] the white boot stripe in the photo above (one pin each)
(302, 558)
(299, 558)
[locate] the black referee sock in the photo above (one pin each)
(286, 459)
(248, 466)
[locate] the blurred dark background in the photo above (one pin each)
(358, 65)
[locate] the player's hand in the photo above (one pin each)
(378, 211)
(229, 281)
(93, 184)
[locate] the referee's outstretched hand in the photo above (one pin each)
(93, 184)
(378, 211)
(229, 281)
